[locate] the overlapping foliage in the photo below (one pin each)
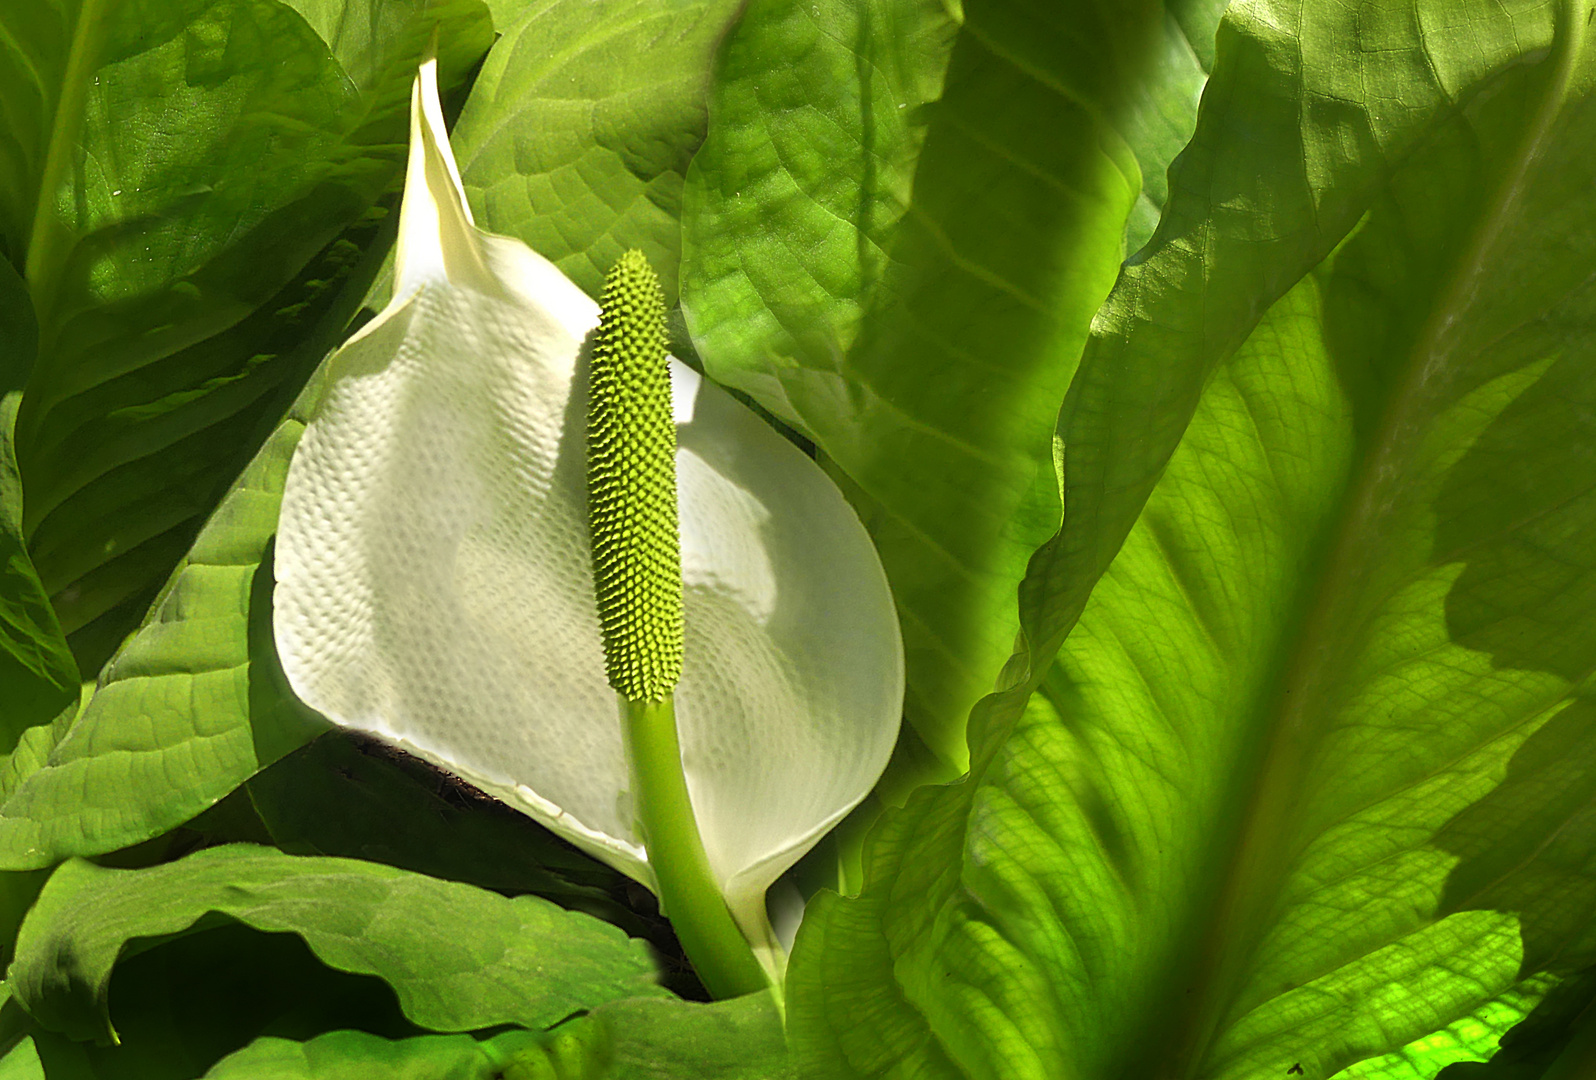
(1217, 384)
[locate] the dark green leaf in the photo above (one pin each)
(38, 677)
(342, 796)
(182, 1004)
(33, 75)
(459, 958)
(345, 795)
(199, 161)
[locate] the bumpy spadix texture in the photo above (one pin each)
(631, 483)
(434, 577)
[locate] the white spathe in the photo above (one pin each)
(434, 586)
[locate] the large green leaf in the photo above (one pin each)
(896, 235)
(186, 180)
(459, 958)
(580, 127)
(818, 119)
(1309, 780)
(190, 708)
(249, 1004)
(181, 1004)
(38, 677)
(636, 1039)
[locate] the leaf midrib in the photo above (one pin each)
(1262, 841)
(46, 247)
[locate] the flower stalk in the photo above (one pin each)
(688, 893)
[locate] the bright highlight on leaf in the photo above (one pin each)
(631, 475)
(435, 583)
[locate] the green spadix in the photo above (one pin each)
(631, 479)
(435, 585)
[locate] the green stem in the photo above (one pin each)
(49, 237)
(687, 891)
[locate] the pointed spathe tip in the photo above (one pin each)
(437, 236)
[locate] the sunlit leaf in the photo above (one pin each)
(896, 236)
(1309, 779)
(637, 1039)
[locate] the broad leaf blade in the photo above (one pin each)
(896, 243)
(818, 119)
(192, 707)
(1256, 202)
(1304, 784)
(353, 1055)
(181, 1004)
(459, 958)
(38, 676)
(636, 1039)
(581, 125)
(204, 160)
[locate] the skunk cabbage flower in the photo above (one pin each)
(435, 588)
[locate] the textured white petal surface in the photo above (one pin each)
(434, 586)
